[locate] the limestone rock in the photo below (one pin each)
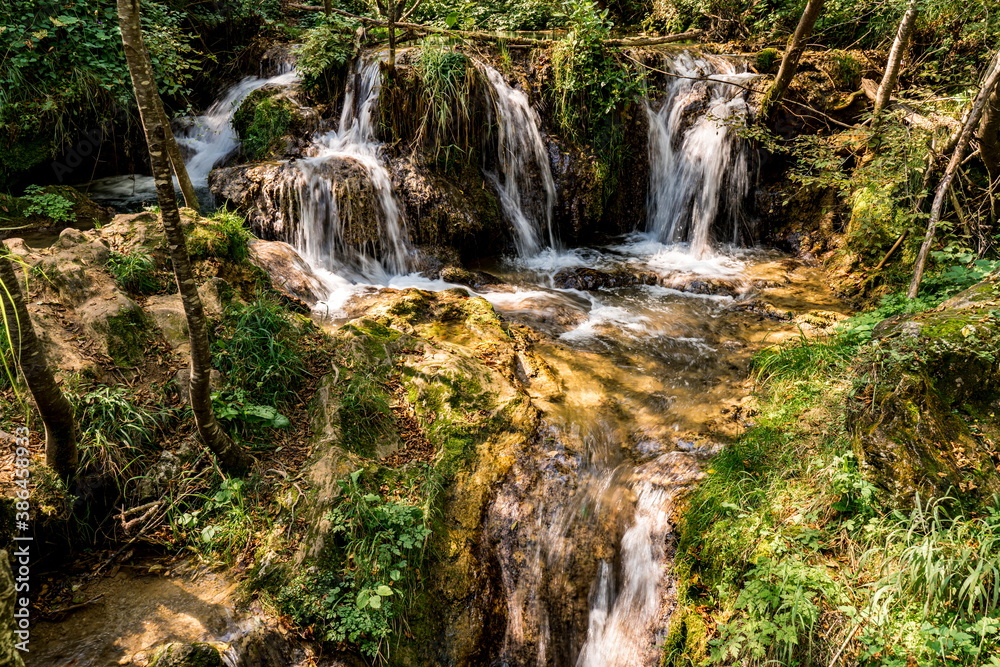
(288, 271)
(921, 411)
(187, 655)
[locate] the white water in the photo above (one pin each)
(524, 182)
(211, 138)
(699, 168)
(625, 605)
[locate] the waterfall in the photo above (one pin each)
(699, 169)
(326, 231)
(210, 139)
(524, 175)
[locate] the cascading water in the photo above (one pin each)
(323, 231)
(524, 179)
(210, 138)
(699, 168)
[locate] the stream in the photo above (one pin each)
(649, 338)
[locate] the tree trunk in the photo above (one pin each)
(968, 128)
(177, 162)
(989, 138)
(327, 7)
(790, 62)
(57, 414)
(391, 18)
(230, 456)
(896, 56)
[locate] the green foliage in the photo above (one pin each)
(365, 415)
(492, 15)
(326, 50)
(48, 205)
(365, 580)
(224, 236)
(234, 407)
(767, 61)
(260, 350)
(590, 85)
(135, 272)
(445, 75)
(261, 122)
(222, 523)
(115, 430)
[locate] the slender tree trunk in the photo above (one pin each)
(896, 56)
(57, 414)
(392, 18)
(327, 7)
(177, 163)
(790, 62)
(230, 455)
(968, 128)
(989, 137)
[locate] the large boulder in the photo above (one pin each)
(922, 413)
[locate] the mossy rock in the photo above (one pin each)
(187, 655)
(263, 121)
(128, 336)
(923, 409)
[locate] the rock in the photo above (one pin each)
(921, 410)
(468, 277)
(265, 193)
(167, 313)
(215, 293)
(290, 274)
(585, 278)
(187, 655)
(759, 307)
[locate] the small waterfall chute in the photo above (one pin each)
(523, 178)
(699, 168)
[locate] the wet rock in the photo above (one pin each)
(187, 655)
(267, 194)
(468, 277)
(290, 274)
(731, 287)
(762, 308)
(585, 278)
(921, 411)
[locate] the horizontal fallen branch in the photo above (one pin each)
(493, 37)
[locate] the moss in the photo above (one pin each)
(187, 655)
(128, 335)
(261, 122)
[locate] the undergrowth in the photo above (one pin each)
(788, 556)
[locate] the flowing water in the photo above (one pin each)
(648, 374)
(699, 168)
(524, 179)
(310, 204)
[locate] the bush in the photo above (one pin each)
(114, 429)
(134, 272)
(363, 583)
(261, 122)
(48, 205)
(326, 51)
(224, 236)
(260, 350)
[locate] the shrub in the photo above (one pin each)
(326, 50)
(134, 272)
(260, 350)
(48, 205)
(114, 429)
(224, 236)
(261, 122)
(364, 581)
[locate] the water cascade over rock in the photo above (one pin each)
(524, 174)
(699, 167)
